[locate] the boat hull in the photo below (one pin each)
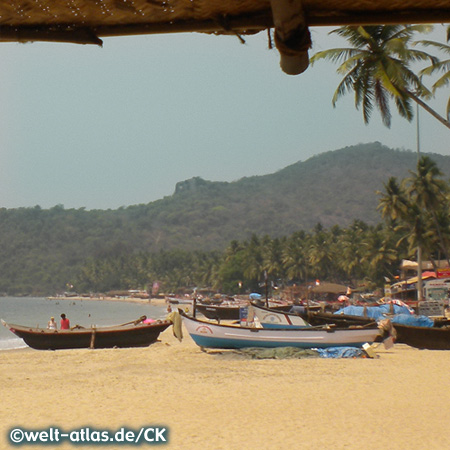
(210, 335)
(426, 338)
(141, 335)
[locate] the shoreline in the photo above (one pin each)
(150, 301)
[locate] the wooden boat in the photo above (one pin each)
(230, 310)
(212, 335)
(276, 319)
(132, 334)
(429, 338)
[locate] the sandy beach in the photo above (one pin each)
(218, 400)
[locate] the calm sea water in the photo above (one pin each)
(36, 311)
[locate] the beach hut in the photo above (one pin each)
(87, 21)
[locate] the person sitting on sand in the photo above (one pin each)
(65, 323)
(51, 325)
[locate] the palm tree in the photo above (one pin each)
(393, 203)
(439, 66)
(430, 193)
(350, 250)
(377, 69)
(412, 206)
(295, 257)
(379, 253)
(320, 253)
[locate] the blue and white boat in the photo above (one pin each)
(212, 335)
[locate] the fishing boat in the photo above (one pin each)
(212, 335)
(132, 334)
(425, 338)
(271, 318)
(423, 332)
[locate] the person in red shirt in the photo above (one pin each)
(65, 323)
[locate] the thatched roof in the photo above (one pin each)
(86, 21)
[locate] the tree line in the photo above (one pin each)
(416, 213)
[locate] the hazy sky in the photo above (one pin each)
(85, 126)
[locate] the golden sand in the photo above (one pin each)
(220, 401)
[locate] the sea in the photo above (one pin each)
(36, 312)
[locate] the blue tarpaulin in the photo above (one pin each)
(401, 315)
(416, 321)
(374, 312)
(340, 352)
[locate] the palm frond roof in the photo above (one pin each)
(85, 21)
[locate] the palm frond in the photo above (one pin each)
(442, 81)
(441, 66)
(404, 107)
(351, 62)
(382, 100)
(445, 48)
(346, 85)
(334, 55)
(352, 34)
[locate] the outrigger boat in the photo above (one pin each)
(211, 335)
(131, 334)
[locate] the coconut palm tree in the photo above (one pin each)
(350, 247)
(379, 254)
(377, 69)
(439, 66)
(430, 193)
(394, 202)
(295, 257)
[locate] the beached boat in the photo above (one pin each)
(132, 334)
(212, 335)
(436, 337)
(301, 317)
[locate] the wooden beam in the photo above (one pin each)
(292, 37)
(244, 24)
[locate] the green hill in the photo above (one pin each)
(41, 248)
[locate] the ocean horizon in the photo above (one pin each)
(36, 312)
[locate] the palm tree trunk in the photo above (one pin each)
(419, 275)
(428, 109)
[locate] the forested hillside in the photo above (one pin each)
(42, 249)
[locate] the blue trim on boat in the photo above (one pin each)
(213, 342)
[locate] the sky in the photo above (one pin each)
(101, 128)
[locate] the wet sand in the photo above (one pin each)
(218, 400)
